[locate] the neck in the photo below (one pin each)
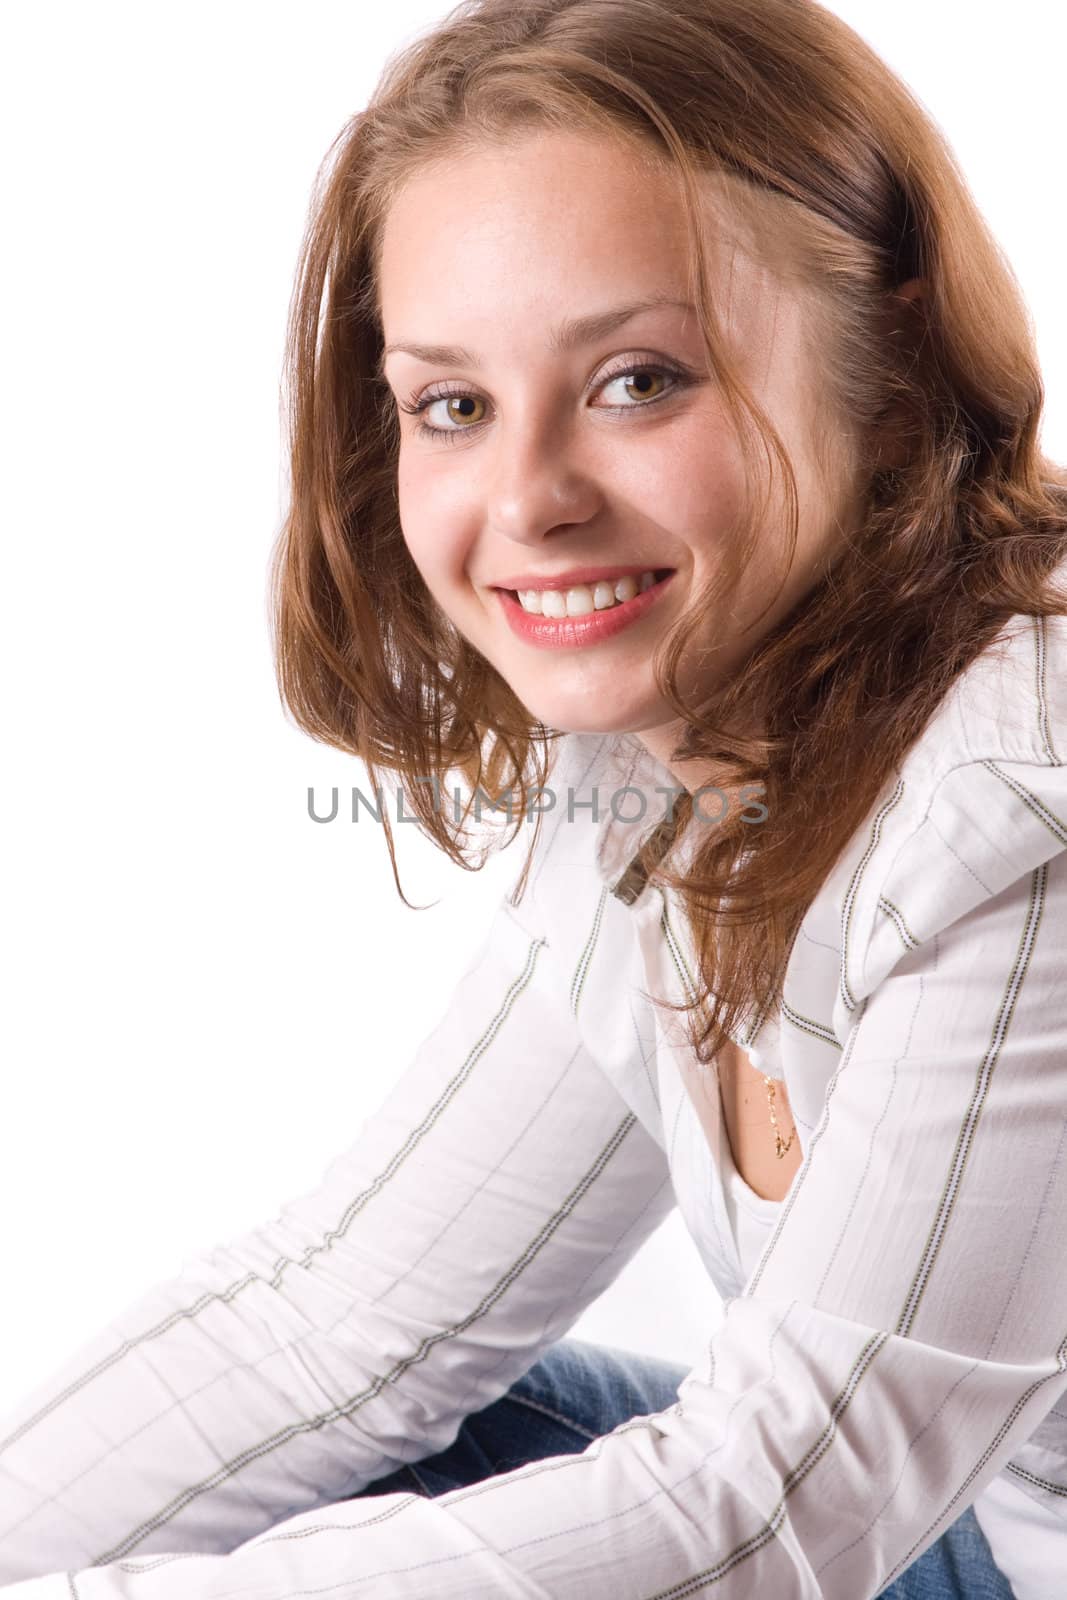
(694, 773)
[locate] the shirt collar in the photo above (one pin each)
(635, 796)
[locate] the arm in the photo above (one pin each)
(496, 1192)
(903, 1333)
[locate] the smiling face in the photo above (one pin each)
(567, 456)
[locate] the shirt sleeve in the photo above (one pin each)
(496, 1192)
(903, 1332)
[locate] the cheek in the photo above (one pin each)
(690, 479)
(425, 523)
(702, 502)
(440, 556)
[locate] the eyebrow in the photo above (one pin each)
(568, 335)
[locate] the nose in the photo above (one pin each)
(537, 485)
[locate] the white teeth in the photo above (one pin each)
(583, 598)
(579, 601)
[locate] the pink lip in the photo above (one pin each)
(570, 580)
(554, 633)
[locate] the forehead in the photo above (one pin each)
(492, 248)
(551, 213)
(527, 166)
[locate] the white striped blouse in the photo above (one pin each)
(893, 1343)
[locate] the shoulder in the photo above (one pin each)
(979, 803)
(1009, 704)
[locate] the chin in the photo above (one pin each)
(586, 717)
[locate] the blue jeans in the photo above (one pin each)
(579, 1391)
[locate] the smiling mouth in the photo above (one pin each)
(582, 599)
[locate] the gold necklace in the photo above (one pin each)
(781, 1146)
(628, 889)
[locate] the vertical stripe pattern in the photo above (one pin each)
(893, 1343)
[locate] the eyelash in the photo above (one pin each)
(680, 380)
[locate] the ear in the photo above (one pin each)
(904, 317)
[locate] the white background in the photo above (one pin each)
(199, 981)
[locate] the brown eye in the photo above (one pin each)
(641, 380)
(459, 403)
(464, 411)
(462, 404)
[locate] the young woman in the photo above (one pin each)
(665, 462)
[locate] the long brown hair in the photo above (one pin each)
(791, 111)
